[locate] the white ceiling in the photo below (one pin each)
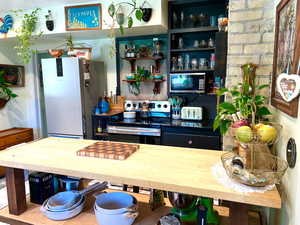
(28, 4)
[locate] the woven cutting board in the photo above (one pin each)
(108, 150)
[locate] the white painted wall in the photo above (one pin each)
(21, 111)
(289, 214)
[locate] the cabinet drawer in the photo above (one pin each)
(192, 141)
(18, 139)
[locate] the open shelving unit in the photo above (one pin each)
(196, 28)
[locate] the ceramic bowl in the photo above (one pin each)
(130, 77)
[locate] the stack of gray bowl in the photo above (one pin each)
(68, 204)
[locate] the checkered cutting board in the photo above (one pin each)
(108, 150)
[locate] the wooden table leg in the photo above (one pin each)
(238, 214)
(16, 194)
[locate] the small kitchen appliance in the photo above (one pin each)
(187, 83)
(184, 207)
(192, 113)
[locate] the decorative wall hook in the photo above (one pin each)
(288, 86)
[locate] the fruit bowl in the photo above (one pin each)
(265, 132)
(267, 169)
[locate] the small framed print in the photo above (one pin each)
(286, 54)
(14, 75)
(83, 17)
(82, 53)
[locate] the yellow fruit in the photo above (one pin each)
(267, 133)
(257, 126)
(244, 134)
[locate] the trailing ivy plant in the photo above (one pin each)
(25, 36)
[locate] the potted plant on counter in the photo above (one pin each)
(5, 92)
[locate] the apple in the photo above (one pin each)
(267, 133)
(244, 134)
(240, 123)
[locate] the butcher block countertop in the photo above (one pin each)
(176, 169)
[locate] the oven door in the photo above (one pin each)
(134, 134)
(187, 83)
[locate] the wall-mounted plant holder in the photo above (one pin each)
(288, 86)
(49, 21)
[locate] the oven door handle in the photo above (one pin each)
(134, 131)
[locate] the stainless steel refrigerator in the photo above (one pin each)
(71, 90)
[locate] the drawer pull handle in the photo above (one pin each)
(190, 142)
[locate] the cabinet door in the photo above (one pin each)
(192, 141)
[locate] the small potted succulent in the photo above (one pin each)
(5, 92)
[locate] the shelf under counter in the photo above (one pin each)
(146, 217)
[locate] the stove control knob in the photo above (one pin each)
(159, 106)
(190, 142)
(128, 105)
(134, 105)
(165, 106)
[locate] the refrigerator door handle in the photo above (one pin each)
(84, 127)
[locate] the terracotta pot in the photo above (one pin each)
(3, 102)
(56, 53)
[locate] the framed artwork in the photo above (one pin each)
(83, 17)
(14, 75)
(82, 53)
(286, 51)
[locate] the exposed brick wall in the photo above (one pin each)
(250, 39)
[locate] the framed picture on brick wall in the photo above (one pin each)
(286, 52)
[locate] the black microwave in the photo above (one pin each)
(187, 83)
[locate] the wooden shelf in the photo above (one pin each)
(110, 113)
(144, 58)
(33, 214)
(192, 30)
(153, 80)
(192, 49)
(192, 71)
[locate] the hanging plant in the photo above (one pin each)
(116, 12)
(25, 36)
(5, 92)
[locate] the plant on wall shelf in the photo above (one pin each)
(116, 11)
(25, 36)
(5, 92)
(246, 103)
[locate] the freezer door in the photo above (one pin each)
(62, 96)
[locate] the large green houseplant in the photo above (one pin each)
(25, 34)
(5, 92)
(245, 102)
